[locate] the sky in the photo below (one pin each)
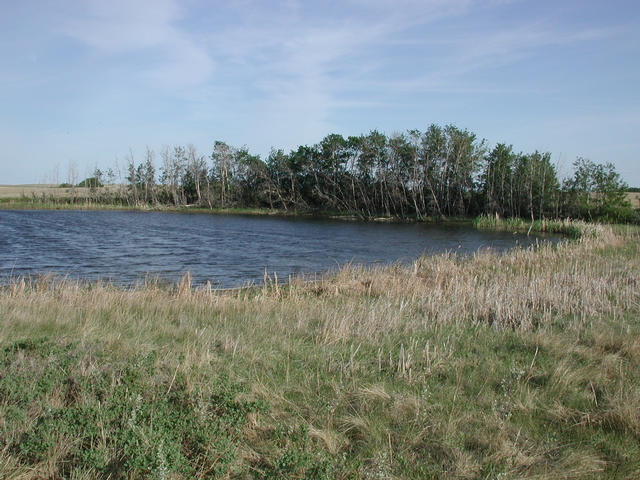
(85, 83)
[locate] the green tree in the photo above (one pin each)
(222, 170)
(250, 182)
(497, 181)
(461, 163)
(597, 191)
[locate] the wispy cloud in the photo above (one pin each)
(295, 60)
(286, 72)
(487, 50)
(170, 57)
(303, 64)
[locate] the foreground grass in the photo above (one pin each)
(525, 365)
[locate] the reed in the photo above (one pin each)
(521, 365)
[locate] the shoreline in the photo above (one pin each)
(481, 222)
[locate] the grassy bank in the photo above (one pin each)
(79, 203)
(87, 204)
(525, 365)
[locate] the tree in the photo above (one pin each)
(373, 164)
(198, 175)
(597, 191)
(461, 162)
(497, 181)
(91, 183)
(251, 184)
(132, 179)
(222, 158)
(173, 164)
(433, 154)
(147, 177)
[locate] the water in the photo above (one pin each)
(125, 247)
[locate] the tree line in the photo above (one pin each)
(441, 172)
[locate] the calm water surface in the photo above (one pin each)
(228, 251)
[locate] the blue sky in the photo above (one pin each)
(83, 83)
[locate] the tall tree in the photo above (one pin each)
(148, 177)
(222, 169)
(198, 175)
(497, 180)
(462, 159)
(132, 180)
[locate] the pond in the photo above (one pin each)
(226, 250)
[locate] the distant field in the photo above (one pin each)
(634, 198)
(17, 191)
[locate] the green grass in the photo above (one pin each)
(525, 365)
(93, 413)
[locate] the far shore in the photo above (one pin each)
(53, 197)
(14, 194)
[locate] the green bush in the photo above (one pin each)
(91, 182)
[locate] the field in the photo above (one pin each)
(38, 190)
(525, 365)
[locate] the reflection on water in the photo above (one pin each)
(226, 250)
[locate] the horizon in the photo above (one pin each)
(86, 83)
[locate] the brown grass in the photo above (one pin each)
(47, 190)
(634, 199)
(18, 191)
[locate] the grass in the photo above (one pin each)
(34, 192)
(570, 228)
(634, 199)
(523, 365)
(20, 191)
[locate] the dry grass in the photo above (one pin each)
(525, 365)
(634, 199)
(38, 190)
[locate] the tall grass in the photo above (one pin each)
(571, 228)
(522, 365)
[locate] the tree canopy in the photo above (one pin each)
(442, 171)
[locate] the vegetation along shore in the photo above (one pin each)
(522, 365)
(443, 171)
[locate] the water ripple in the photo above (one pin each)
(227, 250)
